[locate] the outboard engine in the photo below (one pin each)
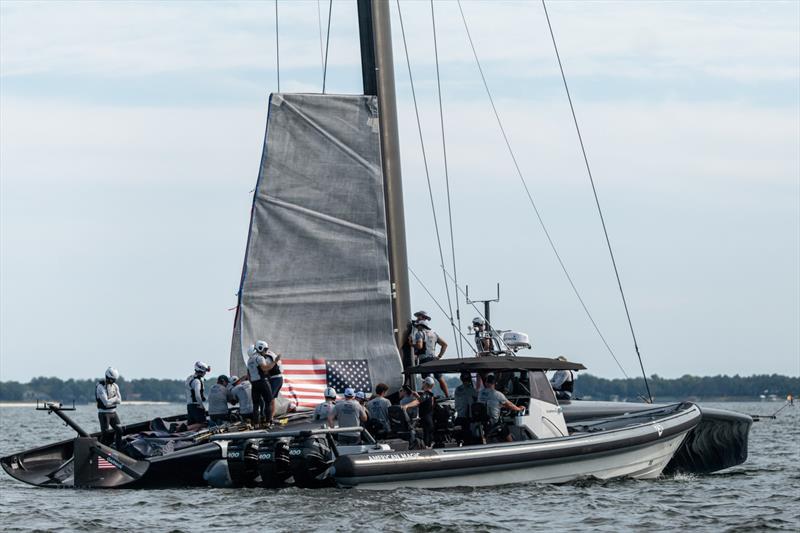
(310, 457)
(516, 340)
(273, 462)
(243, 461)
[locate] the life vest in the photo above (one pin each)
(569, 385)
(190, 393)
(253, 370)
(100, 404)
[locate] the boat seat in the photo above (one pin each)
(479, 418)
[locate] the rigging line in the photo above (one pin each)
(277, 47)
(530, 196)
(427, 173)
(435, 301)
(597, 200)
(327, 47)
(446, 172)
(321, 47)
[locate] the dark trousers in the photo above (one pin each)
(428, 428)
(110, 429)
(196, 413)
(275, 383)
(218, 420)
(262, 397)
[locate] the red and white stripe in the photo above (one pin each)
(103, 464)
(304, 381)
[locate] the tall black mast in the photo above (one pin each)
(377, 67)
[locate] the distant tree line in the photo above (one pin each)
(687, 387)
(587, 385)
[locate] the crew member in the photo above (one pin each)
(563, 382)
(274, 373)
(258, 372)
(349, 413)
(419, 316)
(361, 398)
(322, 410)
(494, 400)
(196, 394)
(426, 403)
(483, 338)
(108, 398)
(426, 339)
(218, 397)
(378, 406)
(407, 396)
(465, 395)
(242, 393)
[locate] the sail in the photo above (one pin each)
(315, 282)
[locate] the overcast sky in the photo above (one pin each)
(130, 138)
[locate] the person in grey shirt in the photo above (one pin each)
(242, 393)
(322, 410)
(407, 396)
(218, 397)
(378, 407)
(349, 413)
(494, 400)
(465, 395)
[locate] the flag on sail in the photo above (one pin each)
(305, 380)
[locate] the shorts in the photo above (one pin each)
(425, 359)
(196, 413)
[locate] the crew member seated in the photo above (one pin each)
(563, 382)
(495, 400)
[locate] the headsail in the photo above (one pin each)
(315, 282)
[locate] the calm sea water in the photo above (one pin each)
(762, 494)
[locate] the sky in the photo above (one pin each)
(131, 136)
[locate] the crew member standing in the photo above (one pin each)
(196, 394)
(108, 398)
(426, 403)
(349, 413)
(258, 371)
(563, 382)
(483, 338)
(274, 373)
(426, 339)
(465, 396)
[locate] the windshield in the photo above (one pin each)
(540, 387)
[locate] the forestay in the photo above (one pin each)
(315, 282)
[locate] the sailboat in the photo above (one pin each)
(325, 279)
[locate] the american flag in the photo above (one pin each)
(103, 464)
(305, 380)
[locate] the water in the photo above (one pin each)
(762, 494)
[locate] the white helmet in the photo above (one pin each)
(112, 373)
(330, 392)
(251, 351)
(429, 381)
(200, 366)
(234, 379)
(262, 346)
(478, 321)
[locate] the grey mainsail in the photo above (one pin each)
(315, 282)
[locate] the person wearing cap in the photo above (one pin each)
(218, 397)
(483, 338)
(361, 398)
(349, 413)
(563, 382)
(242, 393)
(465, 395)
(196, 394)
(494, 400)
(322, 410)
(425, 341)
(419, 316)
(378, 406)
(426, 403)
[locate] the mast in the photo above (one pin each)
(377, 67)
